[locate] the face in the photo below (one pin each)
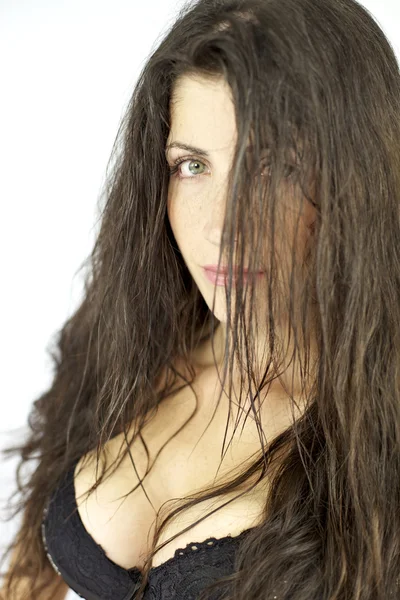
(202, 115)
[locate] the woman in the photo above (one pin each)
(239, 424)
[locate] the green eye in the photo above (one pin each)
(176, 170)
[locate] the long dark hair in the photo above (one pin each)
(317, 83)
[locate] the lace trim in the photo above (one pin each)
(192, 547)
(53, 564)
(180, 553)
(64, 501)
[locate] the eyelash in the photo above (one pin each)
(174, 171)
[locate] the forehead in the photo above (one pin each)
(202, 113)
(203, 118)
(196, 84)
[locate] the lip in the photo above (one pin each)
(219, 276)
(223, 270)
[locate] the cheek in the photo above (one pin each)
(184, 217)
(175, 218)
(181, 226)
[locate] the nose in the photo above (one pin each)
(212, 230)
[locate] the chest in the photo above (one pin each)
(178, 468)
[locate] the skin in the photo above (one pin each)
(202, 115)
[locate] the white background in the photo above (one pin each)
(67, 72)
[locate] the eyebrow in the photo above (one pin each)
(194, 149)
(188, 148)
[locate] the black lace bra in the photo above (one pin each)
(86, 569)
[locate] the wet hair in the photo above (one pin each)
(317, 84)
